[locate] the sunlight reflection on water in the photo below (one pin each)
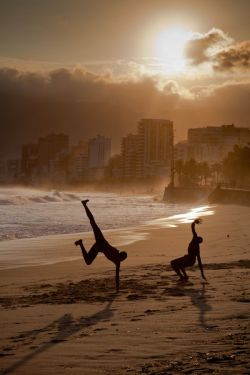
(183, 218)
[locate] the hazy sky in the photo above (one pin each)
(111, 62)
(77, 31)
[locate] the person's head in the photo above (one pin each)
(199, 239)
(123, 255)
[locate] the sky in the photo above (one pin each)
(87, 67)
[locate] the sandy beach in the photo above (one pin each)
(65, 317)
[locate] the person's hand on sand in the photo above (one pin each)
(203, 276)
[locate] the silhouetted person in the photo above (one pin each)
(101, 245)
(188, 260)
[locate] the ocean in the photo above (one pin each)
(27, 213)
(30, 213)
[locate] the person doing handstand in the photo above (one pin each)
(188, 260)
(101, 245)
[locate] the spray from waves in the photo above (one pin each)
(17, 196)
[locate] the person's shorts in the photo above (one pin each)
(184, 261)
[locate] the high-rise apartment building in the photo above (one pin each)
(155, 147)
(129, 155)
(78, 161)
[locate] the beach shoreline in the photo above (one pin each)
(66, 316)
(57, 248)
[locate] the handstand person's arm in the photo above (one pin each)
(200, 266)
(117, 271)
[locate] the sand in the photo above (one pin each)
(65, 317)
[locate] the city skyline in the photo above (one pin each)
(150, 152)
(89, 67)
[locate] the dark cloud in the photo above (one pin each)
(83, 104)
(197, 50)
(236, 57)
(76, 102)
(217, 48)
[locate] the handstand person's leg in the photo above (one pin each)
(97, 231)
(91, 254)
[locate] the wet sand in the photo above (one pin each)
(66, 317)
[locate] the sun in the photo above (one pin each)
(169, 48)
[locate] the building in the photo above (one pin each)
(99, 152)
(155, 148)
(181, 151)
(213, 143)
(52, 154)
(29, 160)
(78, 162)
(129, 152)
(114, 169)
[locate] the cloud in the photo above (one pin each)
(76, 102)
(218, 49)
(83, 104)
(202, 47)
(237, 57)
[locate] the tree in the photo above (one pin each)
(179, 165)
(204, 172)
(216, 171)
(236, 167)
(191, 173)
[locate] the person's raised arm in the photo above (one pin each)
(200, 266)
(196, 221)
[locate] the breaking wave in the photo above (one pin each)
(17, 196)
(30, 213)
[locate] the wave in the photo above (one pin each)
(30, 213)
(24, 196)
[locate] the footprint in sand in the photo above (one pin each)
(132, 297)
(149, 311)
(135, 319)
(100, 329)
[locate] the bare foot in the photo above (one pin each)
(78, 242)
(85, 201)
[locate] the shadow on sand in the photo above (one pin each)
(199, 299)
(65, 326)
